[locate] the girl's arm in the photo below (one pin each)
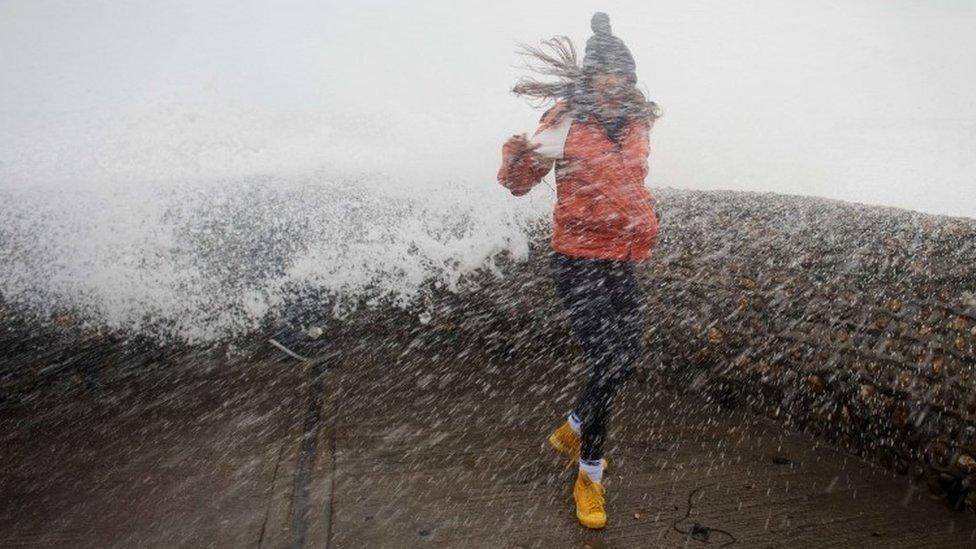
(522, 168)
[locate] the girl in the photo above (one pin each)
(604, 223)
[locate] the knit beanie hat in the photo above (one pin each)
(605, 53)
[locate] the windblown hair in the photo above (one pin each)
(554, 58)
(557, 58)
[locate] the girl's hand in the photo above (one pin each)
(518, 145)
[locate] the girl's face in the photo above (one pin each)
(610, 91)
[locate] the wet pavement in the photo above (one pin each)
(187, 456)
(387, 447)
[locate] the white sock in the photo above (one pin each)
(575, 423)
(592, 468)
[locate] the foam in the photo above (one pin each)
(202, 224)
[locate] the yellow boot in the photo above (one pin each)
(589, 502)
(565, 441)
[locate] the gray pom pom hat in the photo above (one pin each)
(606, 53)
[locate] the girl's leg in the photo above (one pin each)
(623, 341)
(584, 287)
(628, 302)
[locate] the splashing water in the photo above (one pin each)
(231, 235)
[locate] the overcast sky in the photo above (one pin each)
(869, 101)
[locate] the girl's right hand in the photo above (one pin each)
(518, 145)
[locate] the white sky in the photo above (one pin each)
(869, 101)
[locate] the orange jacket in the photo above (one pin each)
(603, 210)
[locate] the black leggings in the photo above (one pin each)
(603, 301)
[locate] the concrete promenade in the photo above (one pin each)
(384, 447)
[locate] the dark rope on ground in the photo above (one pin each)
(698, 531)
